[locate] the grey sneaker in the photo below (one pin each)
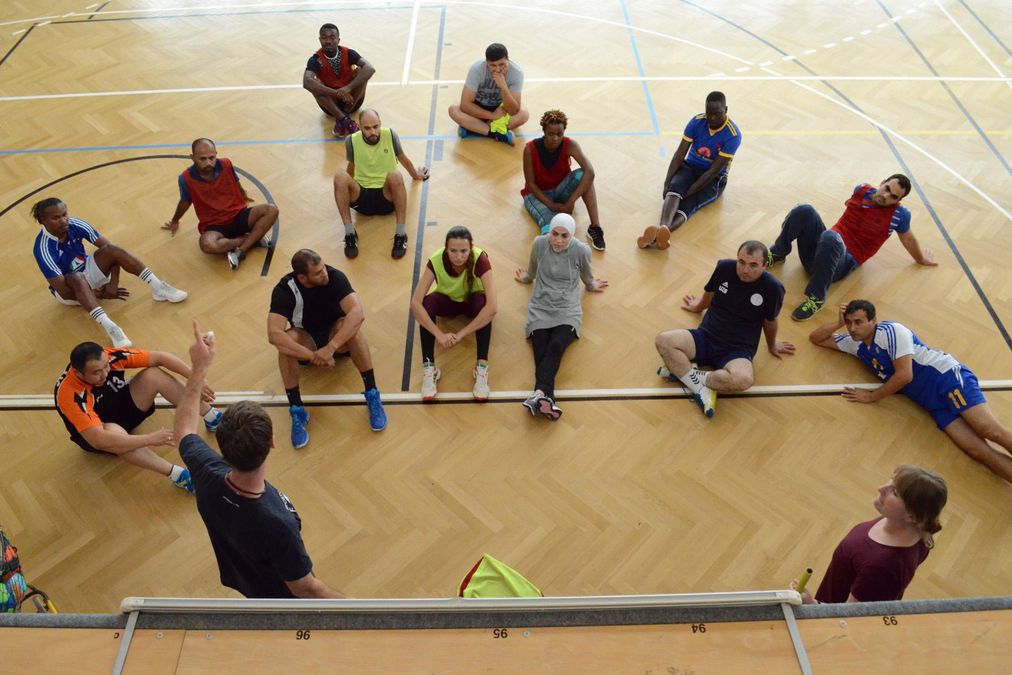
(234, 258)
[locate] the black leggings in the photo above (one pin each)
(549, 345)
(483, 337)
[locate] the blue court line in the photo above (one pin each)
(986, 27)
(639, 69)
(899, 158)
(430, 144)
(286, 141)
(955, 99)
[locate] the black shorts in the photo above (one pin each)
(320, 339)
(116, 408)
(488, 108)
(713, 354)
(371, 202)
(239, 226)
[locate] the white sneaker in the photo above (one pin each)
(430, 375)
(166, 292)
(706, 399)
(532, 402)
(234, 258)
(118, 337)
(480, 391)
(265, 241)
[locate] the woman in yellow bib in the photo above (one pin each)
(462, 274)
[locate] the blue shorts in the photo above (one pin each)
(954, 392)
(713, 354)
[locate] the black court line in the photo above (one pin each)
(275, 233)
(99, 9)
(409, 341)
(18, 43)
(899, 158)
(510, 401)
(986, 27)
(948, 90)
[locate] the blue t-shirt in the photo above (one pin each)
(56, 258)
(708, 144)
(738, 309)
(258, 542)
(893, 341)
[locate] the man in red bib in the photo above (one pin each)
(870, 216)
(336, 77)
(226, 223)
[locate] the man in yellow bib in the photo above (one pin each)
(372, 184)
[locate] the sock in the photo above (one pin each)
(175, 473)
(294, 396)
(402, 228)
(369, 378)
(349, 228)
(694, 380)
(428, 364)
(103, 320)
(148, 277)
(211, 415)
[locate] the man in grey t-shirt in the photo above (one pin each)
(490, 100)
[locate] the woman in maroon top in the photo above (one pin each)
(877, 559)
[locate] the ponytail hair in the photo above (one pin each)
(924, 493)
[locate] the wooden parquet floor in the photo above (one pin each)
(620, 496)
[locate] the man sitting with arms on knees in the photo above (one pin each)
(698, 171)
(870, 216)
(225, 222)
(372, 183)
(100, 407)
(490, 100)
(550, 184)
(254, 529)
(315, 315)
(741, 300)
(936, 381)
(336, 77)
(75, 278)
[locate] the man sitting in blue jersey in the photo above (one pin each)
(75, 278)
(741, 300)
(697, 174)
(936, 381)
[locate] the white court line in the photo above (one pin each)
(540, 80)
(971, 41)
(229, 397)
(905, 140)
(411, 41)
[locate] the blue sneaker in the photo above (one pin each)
(377, 416)
(213, 426)
(300, 418)
(464, 133)
(506, 138)
(184, 481)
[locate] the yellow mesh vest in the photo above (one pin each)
(453, 287)
(373, 162)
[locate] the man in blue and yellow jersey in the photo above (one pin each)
(697, 174)
(372, 183)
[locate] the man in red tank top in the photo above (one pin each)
(870, 216)
(336, 77)
(226, 223)
(551, 186)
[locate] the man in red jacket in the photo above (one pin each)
(870, 216)
(227, 221)
(336, 77)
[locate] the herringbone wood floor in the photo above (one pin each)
(620, 496)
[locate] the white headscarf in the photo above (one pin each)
(566, 221)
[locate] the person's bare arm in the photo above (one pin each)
(709, 175)
(921, 256)
(173, 225)
(467, 105)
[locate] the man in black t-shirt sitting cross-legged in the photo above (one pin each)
(315, 315)
(741, 299)
(254, 528)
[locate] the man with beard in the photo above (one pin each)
(551, 186)
(226, 222)
(336, 77)
(741, 300)
(372, 183)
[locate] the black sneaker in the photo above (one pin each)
(807, 309)
(506, 138)
(400, 246)
(351, 245)
(596, 236)
(773, 258)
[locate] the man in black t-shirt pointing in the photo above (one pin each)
(741, 300)
(315, 315)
